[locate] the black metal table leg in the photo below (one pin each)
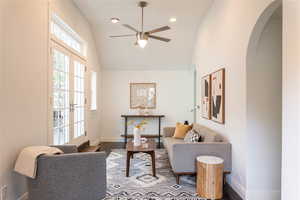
(159, 127)
(125, 135)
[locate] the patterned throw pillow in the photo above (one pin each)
(188, 136)
(196, 137)
(192, 136)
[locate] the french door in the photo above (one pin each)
(67, 97)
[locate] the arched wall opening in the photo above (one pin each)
(264, 106)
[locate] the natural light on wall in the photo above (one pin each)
(94, 91)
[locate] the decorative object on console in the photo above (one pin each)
(144, 111)
(158, 135)
(218, 96)
(137, 131)
(206, 96)
(143, 96)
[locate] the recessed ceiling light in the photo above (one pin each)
(173, 19)
(115, 20)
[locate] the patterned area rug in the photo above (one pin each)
(141, 185)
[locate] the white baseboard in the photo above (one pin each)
(112, 139)
(238, 187)
(264, 194)
(23, 197)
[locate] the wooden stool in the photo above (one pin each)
(210, 177)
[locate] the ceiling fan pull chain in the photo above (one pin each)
(142, 19)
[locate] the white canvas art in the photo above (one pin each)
(217, 96)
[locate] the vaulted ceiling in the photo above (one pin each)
(121, 53)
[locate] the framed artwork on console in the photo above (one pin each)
(142, 95)
(206, 97)
(218, 96)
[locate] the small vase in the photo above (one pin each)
(136, 136)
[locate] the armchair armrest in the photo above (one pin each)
(68, 148)
(168, 131)
(70, 176)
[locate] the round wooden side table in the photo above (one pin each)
(210, 177)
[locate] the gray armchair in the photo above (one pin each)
(70, 176)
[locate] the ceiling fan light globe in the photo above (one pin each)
(115, 20)
(142, 43)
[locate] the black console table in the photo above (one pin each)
(126, 135)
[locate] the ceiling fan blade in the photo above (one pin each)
(164, 28)
(117, 36)
(130, 27)
(159, 38)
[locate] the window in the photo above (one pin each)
(79, 99)
(67, 86)
(60, 99)
(65, 34)
(94, 91)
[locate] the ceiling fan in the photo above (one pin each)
(141, 36)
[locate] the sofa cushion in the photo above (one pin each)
(168, 144)
(207, 134)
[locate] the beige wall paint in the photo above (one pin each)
(264, 114)
(2, 7)
(26, 79)
(174, 98)
(223, 42)
(291, 99)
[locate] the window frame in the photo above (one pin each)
(54, 42)
(58, 20)
(94, 93)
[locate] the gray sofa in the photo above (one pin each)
(70, 176)
(182, 155)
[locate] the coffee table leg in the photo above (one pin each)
(128, 163)
(153, 163)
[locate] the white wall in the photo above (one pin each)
(2, 7)
(291, 99)
(222, 42)
(25, 80)
(264, 113)
(174, 98)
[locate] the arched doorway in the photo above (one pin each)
(264, 106)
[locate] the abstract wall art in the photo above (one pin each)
(218, 96)
(143, 95)
(206, 96)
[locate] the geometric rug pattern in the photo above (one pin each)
(141, 185)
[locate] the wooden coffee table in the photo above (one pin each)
(148, 147)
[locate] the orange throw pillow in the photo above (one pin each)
(181, 130)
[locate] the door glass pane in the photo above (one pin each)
(79, 99)
(61, 98)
